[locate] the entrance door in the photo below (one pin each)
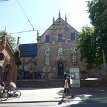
(60, 69)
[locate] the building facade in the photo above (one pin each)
(8, 67)
(57, 51)
(28, 54)
(54, 53)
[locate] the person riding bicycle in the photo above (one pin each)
(12, 86)
(2, 86)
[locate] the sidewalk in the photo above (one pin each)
(36, 95)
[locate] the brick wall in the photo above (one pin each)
(9, 59)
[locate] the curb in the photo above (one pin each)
(29, 101)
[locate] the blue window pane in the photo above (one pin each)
(73, 36)
(59, 37)
(47, 39)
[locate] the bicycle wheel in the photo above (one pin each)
(17, 94)
(4, 96)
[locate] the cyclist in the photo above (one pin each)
(2, 85)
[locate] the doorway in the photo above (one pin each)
(60, 69)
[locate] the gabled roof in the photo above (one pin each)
(60, 22)
(28, 50)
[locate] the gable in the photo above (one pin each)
(59, 27)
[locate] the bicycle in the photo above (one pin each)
(3, 95)
(16, 94)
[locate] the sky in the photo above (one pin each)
(24, 15)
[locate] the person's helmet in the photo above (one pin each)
(2, 83)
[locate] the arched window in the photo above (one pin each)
(47, 56)
(59, 37)
(73, 36)
(47, 39)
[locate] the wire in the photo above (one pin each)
(23, 31)
(38, 30)
(25, 15)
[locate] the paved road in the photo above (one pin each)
(52, 97)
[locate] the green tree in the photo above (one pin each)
(13, 44)
(88, 47)
(17, 57)
(97, 10)
(93, 40)
(11, 39)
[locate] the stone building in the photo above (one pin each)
(57, 49)
(54, 53)
(8, 68)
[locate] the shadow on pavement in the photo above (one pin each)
(86, 97)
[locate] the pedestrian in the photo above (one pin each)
(66, 87)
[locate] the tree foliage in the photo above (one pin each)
(13, 45)
(98, 14)
(88, 47)
(17, 57)
(11, 39)
(94, 39)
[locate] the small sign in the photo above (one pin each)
(74, 77)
